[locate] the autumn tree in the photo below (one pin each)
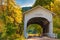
(57, 7)
(12, 18)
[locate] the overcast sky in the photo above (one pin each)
(25, 3)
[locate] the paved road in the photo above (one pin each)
(43, 38)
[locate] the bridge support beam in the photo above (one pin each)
(25, 30)
(51, 34)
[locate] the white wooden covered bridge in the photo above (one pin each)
(41, 16)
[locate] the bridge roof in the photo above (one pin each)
(36, 8)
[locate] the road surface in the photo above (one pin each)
(42, 38)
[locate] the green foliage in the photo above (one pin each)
(11, 29)
(34, 29)
(58, 35)
(56, 22)
(42, 2)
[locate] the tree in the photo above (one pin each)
(57, 7)
(42, 2)
(11, 18)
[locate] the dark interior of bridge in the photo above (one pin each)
(41, 21)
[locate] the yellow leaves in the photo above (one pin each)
(17, 14)
(10, 19)
(57, 7)
(1, 23)
(57, 1)
(52, 5)
(1, 26)
(12, 16)
(17, 35)
(17, 10)
(18, 19)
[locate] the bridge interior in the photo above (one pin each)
(43, 22)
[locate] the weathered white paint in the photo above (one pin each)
(38, 12)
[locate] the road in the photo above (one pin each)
(43, 38)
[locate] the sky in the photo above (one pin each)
(25, 3)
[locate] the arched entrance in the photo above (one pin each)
(34, 30)
(41, 21)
